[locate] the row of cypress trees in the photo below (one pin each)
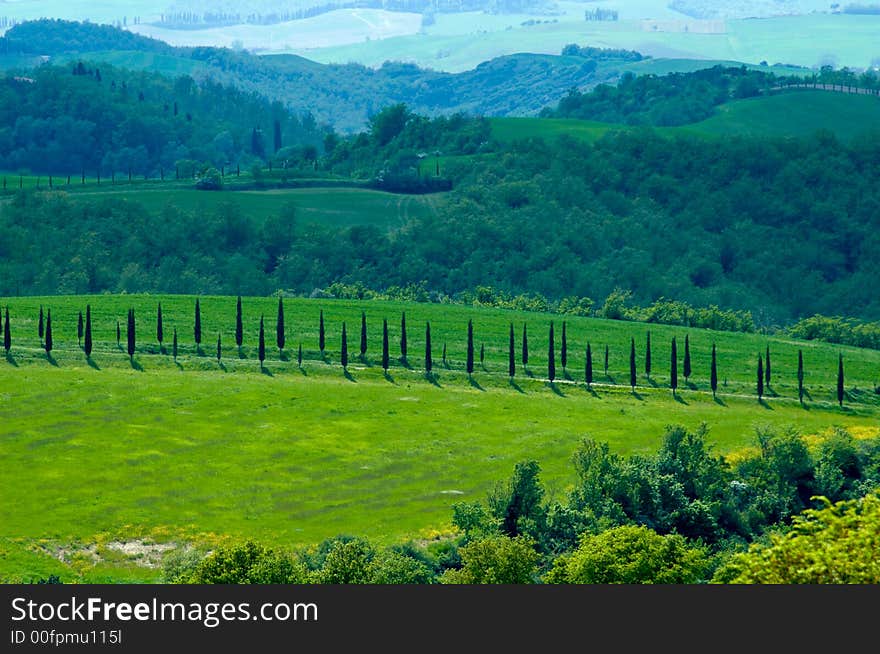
(84, 337)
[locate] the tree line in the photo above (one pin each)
(518, 355)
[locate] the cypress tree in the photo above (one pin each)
(551, 356)
(239, 324)
(767, 368)
(588, 367)
(673, 367)
(299, 356)
(279, 328)
(48, 343)
(131, 334)
(563, 348)
(261, 351)
(321, 334)
(118, 334)
(7, 335)
(174, 345)
(160, 330)
(511, 357)
(840, 379)
(760, 377)
(687, 358)
(384, 345)
(648, 356)
(219, 348)
(197, 328)
(606, 360)
(632, 364)
(444, 354)
(403, 337)
(429, 361)
(525, 348)
(363, 335)
(79, 329)
(470, 348)
(88, 337)
(713, 373)
(800, 376)
(343, 353)
(40, 326)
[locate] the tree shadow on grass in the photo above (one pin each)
(348, 376)
(807, 395)
(611, 379)
(405, 363)
(555, 388)
(432, 379)
(528, 373)
(473, 382)
(680, 399)
(388, 377)
(636, 395)
(765, 404)
(241, 354)
(221, 365)
(11, 360)
(512, 382)
(136, 365)
(92, 363)
(266, 371)
(651, 382)
(178, 364)
(51, 359)
(690, 385)
(719, 401)
(592, 391)
(283, 356)
(805, 406)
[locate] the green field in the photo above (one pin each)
(786, 114)
(199, 452)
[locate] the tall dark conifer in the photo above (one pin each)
(760, 377)
(239, 324)
(160, 328)
(588, 366)
(343, 350)
(713, 373)
(261, 345)
(686, 366)
(219, 348)
(280, 338)
(767, 368)
(673, 367)
(840, 388)
(174, 345)
(7, 335)
(563, 348)
(363, 335)
(385, 354)
(88, 336)
(197, 326)
(470, 347)
(525, 348)
(403, 337)
(118, 334)
(131, 335)
(800, 376)
(429, 360)
(632, 363)
(322, 336)
(511, 357)
(444, 354)
(648, 356)
(80, 325)
(606, 360)
(299, 355)
(551, 356)
(48, 336)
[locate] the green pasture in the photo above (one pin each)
(200, 452)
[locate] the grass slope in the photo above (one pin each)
(200, 452)
(786, 114)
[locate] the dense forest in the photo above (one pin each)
(106, 120)
(683, 98)
(782, 228)
(344, 96)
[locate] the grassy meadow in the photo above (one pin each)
(199, 452)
